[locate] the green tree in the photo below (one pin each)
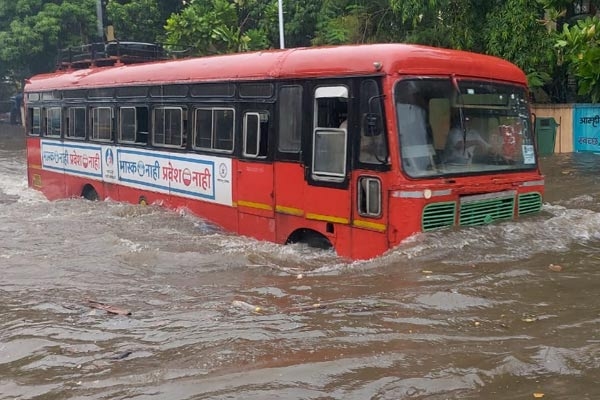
(357, 21)
(579, 47)
(515, 30)
(577, 43)
(444, 23)
(300, 21)
(139, 20)
(33, 30)
(216, 26)
(220, 26)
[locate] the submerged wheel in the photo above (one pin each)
(310, 238)
(90, 193)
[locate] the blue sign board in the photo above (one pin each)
(586, 127)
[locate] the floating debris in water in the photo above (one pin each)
(108, 308)
(122, 355)
(555, 267)
(529, 318)
(246, 306)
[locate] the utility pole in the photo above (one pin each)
(106, 32)
(100, 19)
(281, 38)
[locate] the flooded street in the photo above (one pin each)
(506, 311)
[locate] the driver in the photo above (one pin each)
(462, 145)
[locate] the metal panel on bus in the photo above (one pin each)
(255, 199)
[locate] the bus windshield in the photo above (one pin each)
(457, 127)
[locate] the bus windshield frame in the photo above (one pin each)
(450, 126)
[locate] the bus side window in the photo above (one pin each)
(330, 137)
(203, 128)
(213, 129)
(369, 196)
(102, 123)
(290, 119)
(53, 121)
(223, 125)
(168, 125)
(331, 106)
(133, 125)
(127, 124)
(256, 128)
(373, 143)
(76, 123)
(141, 117)
(35, 121)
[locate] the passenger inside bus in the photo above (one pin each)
(341, 113)
(464, 143)
(330, 142)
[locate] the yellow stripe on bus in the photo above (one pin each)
(36, 180)
(251, 204)
(369, 225)
(289, 210)
(327, 218)
(35, 166)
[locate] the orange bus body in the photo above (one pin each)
(256, 187)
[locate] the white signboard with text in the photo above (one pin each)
(72, 158)
(188, 175)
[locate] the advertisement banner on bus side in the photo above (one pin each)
(193, 176)
(188, 175)
(72, 158)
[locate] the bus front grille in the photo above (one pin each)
(479, 210)
(530, 203)
(485, 209)
(438, 215)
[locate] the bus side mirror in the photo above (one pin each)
(372, 124)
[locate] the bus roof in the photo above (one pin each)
(350, 60)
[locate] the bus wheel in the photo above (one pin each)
(310, 238)
(89, 193)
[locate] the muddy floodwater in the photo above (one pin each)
(506, 311)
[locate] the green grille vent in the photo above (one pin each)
(485, 209)
(438, 215)
(530, 203)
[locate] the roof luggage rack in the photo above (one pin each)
(108, 54)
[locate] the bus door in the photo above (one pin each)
(370, 211)
(254, 175)
(327, 195)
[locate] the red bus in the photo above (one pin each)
(353, 147)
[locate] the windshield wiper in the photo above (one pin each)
(460, 103)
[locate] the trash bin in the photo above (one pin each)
(545, 135)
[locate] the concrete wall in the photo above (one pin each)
(563, 115)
